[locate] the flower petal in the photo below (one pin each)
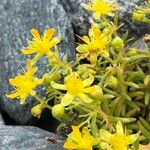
(105, 135)
(67, 99)
(13, 95)
(28, 51)
(104, 53)
(76, 135)
(49, 33)
(70, 145)
(36, 58)
(93, 58)
(73, 138)
(86, 39)
(132, 138)
(58, 86)
(85, 98)
(88, 81)
(111, 14)
(55, 41)
(119, 128)
(35, 34)
(82, 48)
(23, 99)
(97, 15)
(14, 81)
(88, 90)
(88, 7)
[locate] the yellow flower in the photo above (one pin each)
(100, 8)
(42, 45)
(75, 87)
(80, 141)
(118, 140)
(24, 84)
(95, 44)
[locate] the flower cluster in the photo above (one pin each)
(104, 94)
(106, 140)
(141, 14)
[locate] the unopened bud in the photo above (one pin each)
(112, 82)
(58, 111)
(138, 16)
(97, 92)
(132, 52)
(47, 78)
(117, 44)
(36, 111)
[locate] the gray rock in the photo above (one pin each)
(27, 137)
(1, 120)
(81, 18)
(78, 15)
(141, 45)
(17, 18)
(135, 28)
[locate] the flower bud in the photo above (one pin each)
(96, 92)
(58, 111)
(112, 82)
(47, 78)
(108, 31)
(138, 16)
(132, 52)
(36, 111)
(54, 61)
(117, 43)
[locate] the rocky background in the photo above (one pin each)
(17, 18)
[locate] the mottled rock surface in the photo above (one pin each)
(135, 28)
(1, 120)
(27, 138)
(81, 18)
(17, 18)
(78, 15)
